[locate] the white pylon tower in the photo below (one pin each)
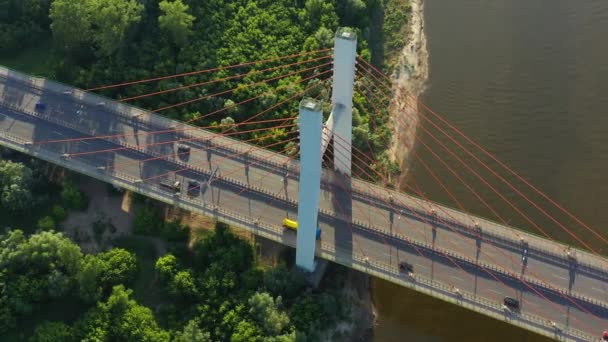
(314, 141)
(310, 122)
(345, 53)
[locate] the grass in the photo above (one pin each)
(145, 288)
(39, 59)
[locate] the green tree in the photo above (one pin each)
(192, 333)
(119, 266)
(52, 332)
(46, 223)
(266, 312)
(72, 197)
(166, 267)
(71, 22)
(112, 19)
(183, 286)
(90, 289)
(120, 318)
(15, 184)
(175, 20)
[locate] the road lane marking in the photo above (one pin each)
(560, 277)
(421, 266)
(497, 292)
(596, 289)
(455, 277)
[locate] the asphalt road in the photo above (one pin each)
(273, 197)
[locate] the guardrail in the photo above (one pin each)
(275, 233)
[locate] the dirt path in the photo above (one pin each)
(113, 213)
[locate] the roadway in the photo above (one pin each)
(262, 192)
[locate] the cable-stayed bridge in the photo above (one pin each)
(466, 260)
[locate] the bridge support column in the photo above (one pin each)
(311, 119)
(345, 52)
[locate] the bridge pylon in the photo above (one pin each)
(345, 57)
(310, 122)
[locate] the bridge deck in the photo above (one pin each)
(366, 234)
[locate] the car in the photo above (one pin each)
(181, 148)
(194, 188)
(406, 267)
(605, 335)
(511, 303)
(40, 107)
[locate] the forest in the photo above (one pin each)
(210, 287)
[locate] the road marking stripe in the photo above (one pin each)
(455, 277)
(560, 277)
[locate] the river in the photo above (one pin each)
(528, 80)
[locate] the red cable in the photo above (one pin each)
(505, 167)
(220, 79)
(172, 141)
(206, 70)
(417, 138)
(520, 279)
(155, 132)
(247, 85)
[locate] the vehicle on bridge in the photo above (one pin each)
(40, 106)
(183, 152)
(605, 335)
(406, 267)
(173, 186)
(511, 303)
(194, 188)
(293, 225)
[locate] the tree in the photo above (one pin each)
(175, 20)
(90, 289)
(46, 223)
(119, 267)
(72, 197)
(112, 19)
(15, 184)
(71, 22)
(183, 286)
(51, 332)
(192, 333)
(120, 318)
(265, 311)
(166, 267)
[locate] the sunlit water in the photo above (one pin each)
(528, 80)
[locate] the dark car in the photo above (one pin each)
(406, 267)
(181, 148)
(194, 188)
(511, 303)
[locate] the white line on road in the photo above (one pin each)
(418, 265)
(497, 292)
(560, 277)
(598, 290)
(455, 277)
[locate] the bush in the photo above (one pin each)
(46, 223)
(58, 213)
(147, 221)
(175, 231)
(73, 198)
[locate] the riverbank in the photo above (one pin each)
(409, 80)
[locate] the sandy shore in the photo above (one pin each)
(409, 80)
